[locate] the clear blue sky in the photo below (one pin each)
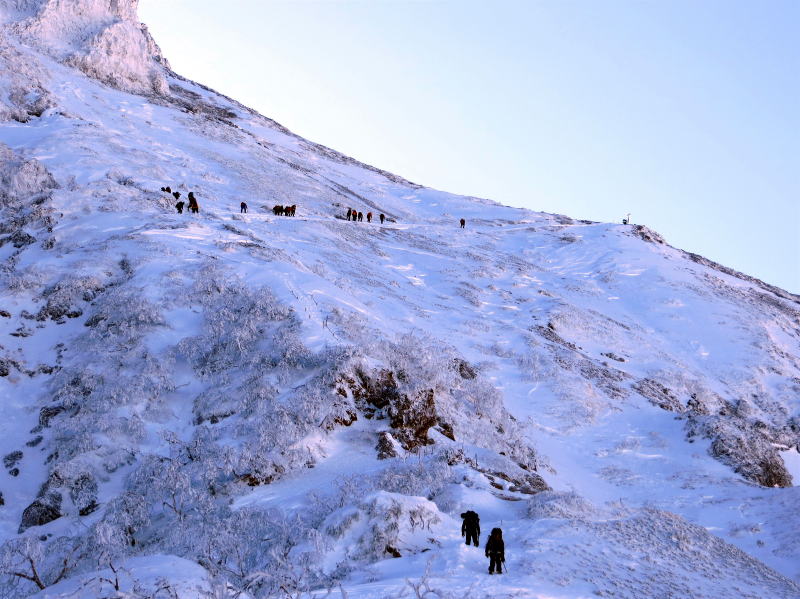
(684, 113)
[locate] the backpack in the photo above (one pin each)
(471, 518)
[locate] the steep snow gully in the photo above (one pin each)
(249, 405)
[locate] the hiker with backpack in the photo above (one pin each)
(179, 207)
(193, 207)
(495, 550)
(463, 223)
(382, 217)
(471, 527)
(243, 208)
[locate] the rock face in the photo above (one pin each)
(43, 510)
(102, 38)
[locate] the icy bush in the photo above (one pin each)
(561, 505)
(383, 524)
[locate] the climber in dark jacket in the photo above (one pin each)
(471, 527)
(243, 208)
(463, 223)
(496, 551)
(383, 218)
(193, 207)
(179, 207)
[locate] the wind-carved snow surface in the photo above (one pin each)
(251, 405)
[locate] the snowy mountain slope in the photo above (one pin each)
(219, 388)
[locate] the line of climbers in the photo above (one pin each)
(284, 210)
(356, 216)
(192, 206)
(277, 210)
(494, 549)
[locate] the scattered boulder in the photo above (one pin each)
(659, 395)
(387, 446)
(647, 235)
(35, 441)
(43, 510)
(47, 413)
(531, 484)
(11, 459)
(755, 460)
(465, 370)
(19, 239)
(611, 355)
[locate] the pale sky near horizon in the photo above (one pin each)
(685, 113)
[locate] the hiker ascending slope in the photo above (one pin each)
(193, 207)
(382, 217)
(369, 217)
(496, 551)
(243, 208)
(179, 207)
(463, 223)
(471, 527)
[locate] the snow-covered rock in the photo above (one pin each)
(102, 38)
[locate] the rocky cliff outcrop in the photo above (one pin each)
(103, 38)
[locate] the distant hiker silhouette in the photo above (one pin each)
(176, 195)
(463, 223)
(360, 216)
(243, 208)
(496, 551)
(349, 212)
(382, 217)
(179, 207)
(193, 207)
(471, 527)
(369, 217)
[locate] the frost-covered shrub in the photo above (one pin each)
(29, 563)
(559, 504)
(237, 320)
(383, 525)
(423, 477)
